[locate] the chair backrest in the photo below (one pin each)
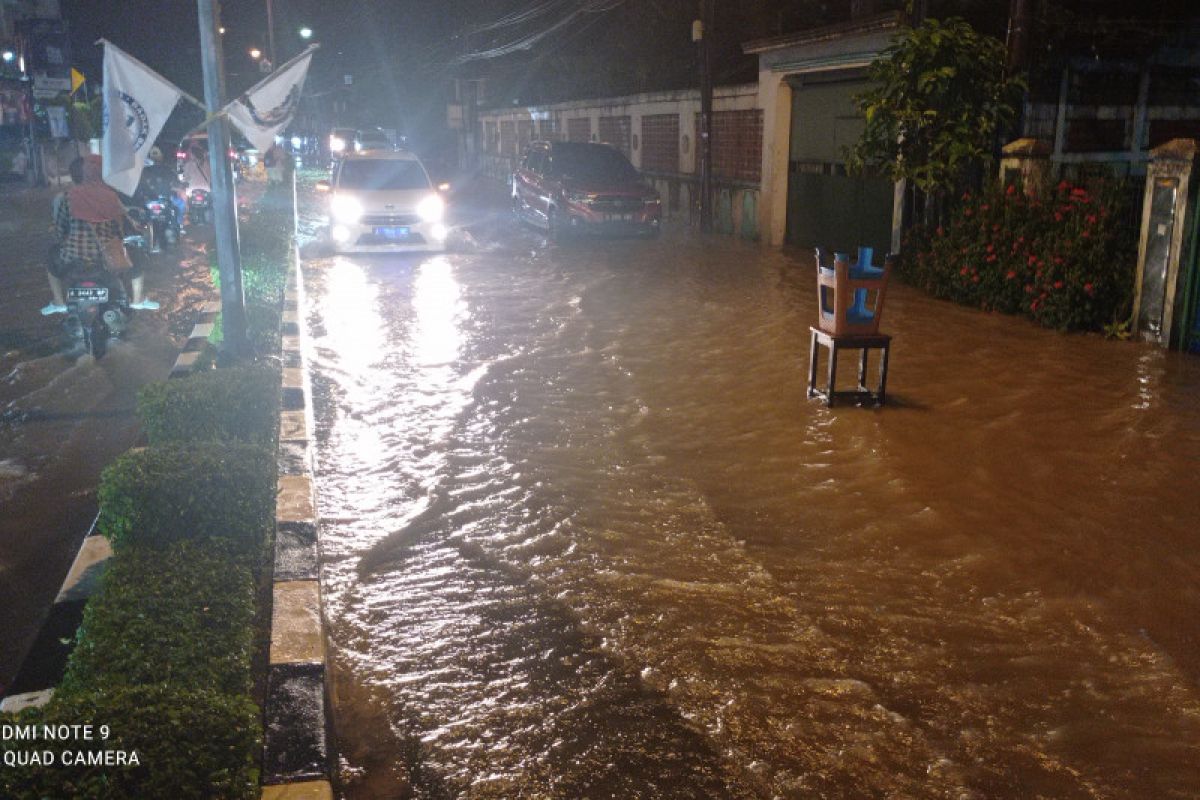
(849, 302)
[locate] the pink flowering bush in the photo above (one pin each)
(1066, 257)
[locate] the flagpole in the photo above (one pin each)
(233, 308)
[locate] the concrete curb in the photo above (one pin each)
(44, 665)
(197, 343)
(297, 741)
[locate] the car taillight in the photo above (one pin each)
(156, 208)
(180, 155)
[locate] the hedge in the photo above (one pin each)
(238, 403)
(183, 615)
(1065, 256)
(218, 492)
(189, 744)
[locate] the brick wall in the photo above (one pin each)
(579, 129)
(616, 131)
(660, 142)
(736, 144)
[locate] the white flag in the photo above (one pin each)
(137, 102)
(262, 113)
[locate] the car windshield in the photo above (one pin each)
(383, 175)
(591, 162)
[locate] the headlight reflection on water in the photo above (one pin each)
(437, 302)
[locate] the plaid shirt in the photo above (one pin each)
(79, 240)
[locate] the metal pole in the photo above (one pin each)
(233, 307)
(270, 35)
(706, 100)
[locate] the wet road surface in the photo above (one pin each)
(585, 536)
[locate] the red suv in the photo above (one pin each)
(572, 187)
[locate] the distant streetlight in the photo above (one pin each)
(306, 33)
(9, 55)
(221, 31)
(255, 53)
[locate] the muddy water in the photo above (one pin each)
(585, 536)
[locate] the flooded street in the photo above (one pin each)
(585, 536)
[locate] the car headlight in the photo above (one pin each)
(345, 209)
(337, 144)
(431, 209)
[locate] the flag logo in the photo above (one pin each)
(135, 115)
(278, 114)
(137, 121)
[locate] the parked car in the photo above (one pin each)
(576, 187)
(384, 201)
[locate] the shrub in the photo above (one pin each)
(1064, 257)
(239, 403)
(189, 744)
(181, 615)
(223, 493)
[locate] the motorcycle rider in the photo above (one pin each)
(85, 214)
(159, 180)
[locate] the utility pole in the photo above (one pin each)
(233, 304)
(1018, 34)
(271, 34)
(701, 34)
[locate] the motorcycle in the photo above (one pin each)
(164, 221)
(97, 304)
(200, 209)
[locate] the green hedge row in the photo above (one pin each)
(182, 615)
(164, 655)
(173, 492)
(189, 744)
(239, 404)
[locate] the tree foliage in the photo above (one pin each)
(938, 95)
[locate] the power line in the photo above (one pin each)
(527, 41)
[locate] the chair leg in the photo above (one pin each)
(814, 352)
(833, 350)
(883, 369)
(862, 370)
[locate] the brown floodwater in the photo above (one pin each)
(585, 536)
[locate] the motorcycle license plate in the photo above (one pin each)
(618, 217)
(392, 232)
(87, 294)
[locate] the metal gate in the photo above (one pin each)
(826, 207)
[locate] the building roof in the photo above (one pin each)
(841, 30)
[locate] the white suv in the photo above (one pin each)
(383, 202)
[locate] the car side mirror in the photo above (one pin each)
(324, 186)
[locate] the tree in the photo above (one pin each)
(938, 95)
